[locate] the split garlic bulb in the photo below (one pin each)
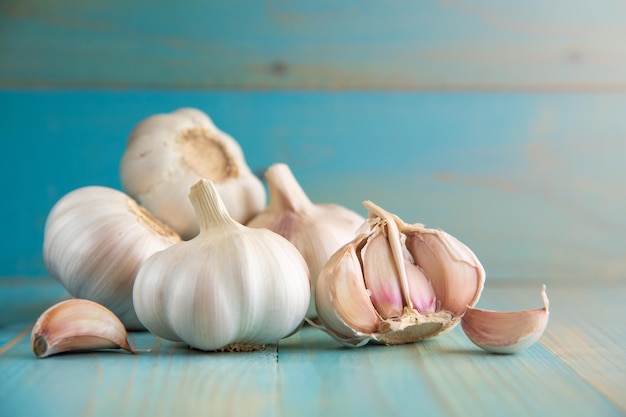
(229, 286)
(95, 239)
(396, 283)
(316, 230)
(167, 153)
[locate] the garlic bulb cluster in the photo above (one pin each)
(231, 285)
(396, 283)
(167, 153)
(316, 230)
(77, 325)
(95, 240)
(506, 331)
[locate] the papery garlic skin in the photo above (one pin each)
(506, 331)
(95, 240)
(396, 283)
(77, 325)
(168, 153)
(229, 285)
(316, 230)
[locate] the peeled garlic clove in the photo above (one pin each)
(407, 282)
(77, 325)
(231, 285)
(316, 230)
(95, 240)
(506, 332)
(168, 153)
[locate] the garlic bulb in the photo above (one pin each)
(316, 230)
(167, 153)
(229, 286)
(77, 325)
(396, 283)
(508, 331)
(95, 239)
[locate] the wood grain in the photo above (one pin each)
(533, 183)
(586, 331)
(244, 44)
(309, 374)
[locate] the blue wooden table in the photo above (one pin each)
(502, 124)
(577, 369)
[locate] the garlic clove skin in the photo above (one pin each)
(95, 240)
(167, 153)
(506, 332)
(316, 230)
(231, 285)
(344, 304)
(77, 325)
(410, 293)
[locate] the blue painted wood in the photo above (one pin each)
(309, 374)
(533, 183)
(356, 44)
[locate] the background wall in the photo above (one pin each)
(500, 122)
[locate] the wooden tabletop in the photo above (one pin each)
(577, 368)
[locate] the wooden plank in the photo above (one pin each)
(502, 172)
(303, 45)
(162, 379)
(445, 376)
(585, 330)
(309, 374)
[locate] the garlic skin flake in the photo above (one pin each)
(229, 286)
(506, 332)
(77, 325)
(316, 230)
(396, 283)
(168, 153)
(95, 239)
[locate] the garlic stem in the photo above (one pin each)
(285, 191)
(393, 235)
(209, 208)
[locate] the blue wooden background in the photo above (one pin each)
(500, 122)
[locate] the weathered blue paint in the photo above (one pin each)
(357, 44)
(532, 182)
(309, 374)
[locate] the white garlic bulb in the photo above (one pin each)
(77, 325)
(230, 285)
(95, 239)
(396, 283)
(167, 153)
(316, 230)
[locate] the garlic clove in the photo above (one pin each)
(420, 289)
(316, 230)
(344, 304)
(506, 332)
(167, 153)
(77, 325)
(386, 295)
(453, 270)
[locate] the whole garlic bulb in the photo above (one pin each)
(95, 239)
(230, 285)
(167, 153)
(396, 283)
(316, 230)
